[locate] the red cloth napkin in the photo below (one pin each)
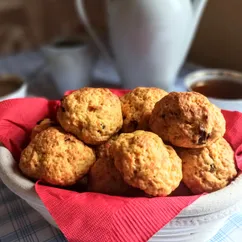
(91, 216)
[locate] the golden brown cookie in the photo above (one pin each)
(103, 150)
(92, 114)
(147, 163)
(137, 107)
(187, 119)
(42, 125)
(104, 176)
(208, 169)
(56, 157)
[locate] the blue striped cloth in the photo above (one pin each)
(231, 231)
(20, 222)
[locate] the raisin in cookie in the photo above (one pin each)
(137, 106)
(208, 169)
(187, 119)
(147, 163)
(92, 114)
(56, 158)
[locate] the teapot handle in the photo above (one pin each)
(83, 16)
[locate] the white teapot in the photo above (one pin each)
(149, 38)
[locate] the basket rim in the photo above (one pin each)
(204, 205)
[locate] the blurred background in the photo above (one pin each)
(28, 24)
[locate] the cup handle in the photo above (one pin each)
(83, 16)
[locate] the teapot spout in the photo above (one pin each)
(198, 8)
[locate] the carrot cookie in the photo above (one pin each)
(147, 163)
(56, 157)
(103, 150)
(91, 114)
(104, 177)
(208, 169)
(137, 107)
(42, 125)
(187, 119)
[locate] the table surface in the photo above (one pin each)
(18, 221)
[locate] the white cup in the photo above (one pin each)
(221, 75)
(12, 86)
(70, 64)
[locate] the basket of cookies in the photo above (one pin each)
(124, 165)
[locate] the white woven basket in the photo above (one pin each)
(197, 222)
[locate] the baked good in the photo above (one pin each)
(42, 125)
(103, 150)
(56, 157)
(137, 106)
(103, 175)
(91, 114)
(208, 169)
(147, 163)
(105, 178)
(187, 119)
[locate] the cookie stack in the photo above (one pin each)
(142, 144)
(195, 127)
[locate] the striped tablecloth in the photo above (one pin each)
(18, 221)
